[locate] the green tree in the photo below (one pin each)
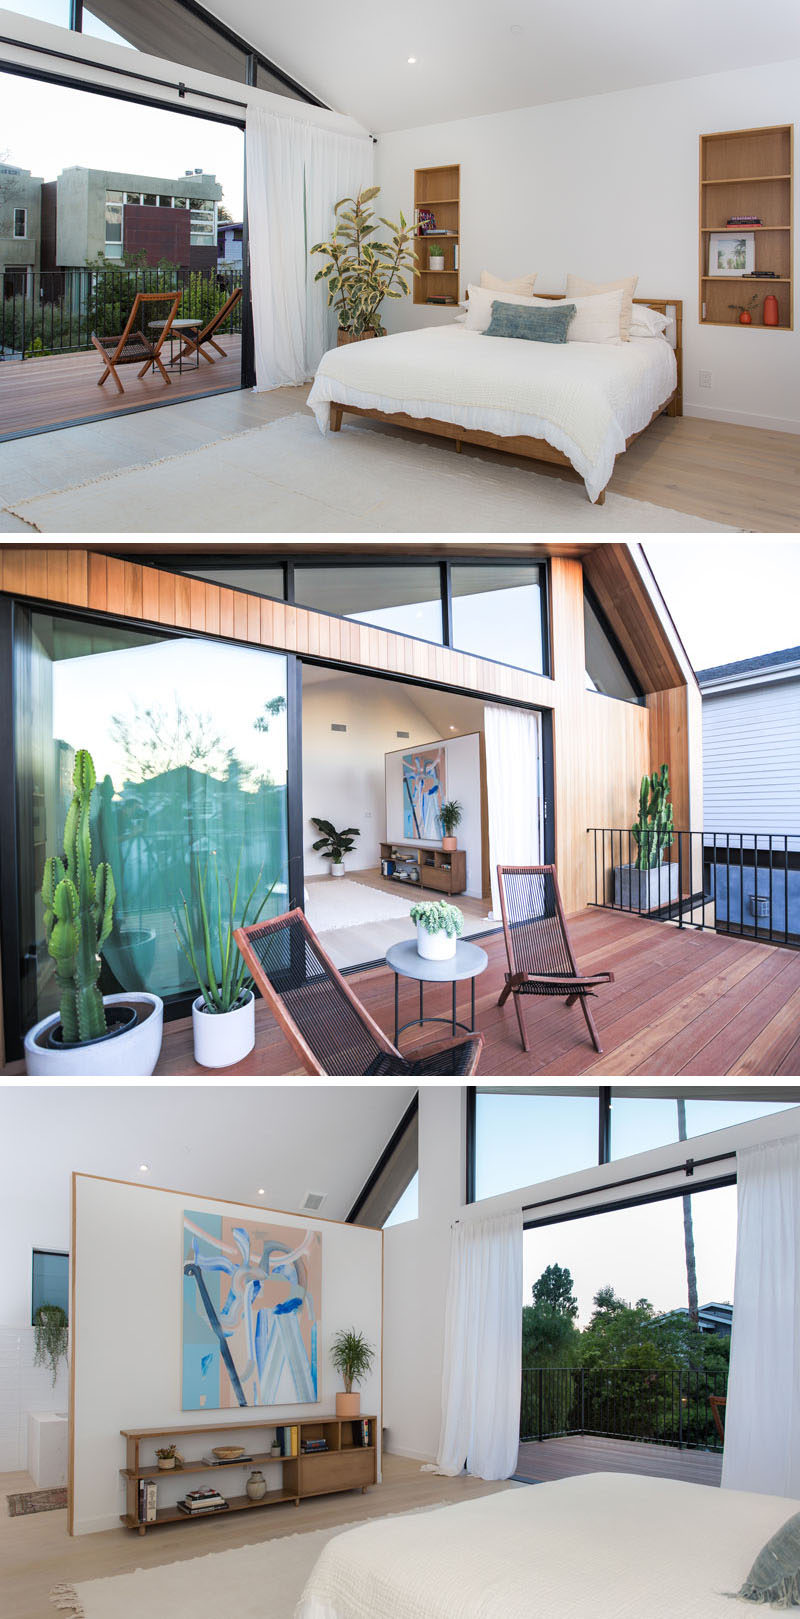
(554, 1287)
(549, 1334)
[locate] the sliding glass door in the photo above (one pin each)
(189, 742)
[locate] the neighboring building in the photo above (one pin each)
(229, 242)
(715, 1319)
(20, 228)
(103, 212)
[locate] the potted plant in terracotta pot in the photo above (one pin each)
(439, 928)
(650, 881)
(450, 815)
(223, 1015)
(361, 271)
(334, 845)
(91, 1034)
(352, 1356)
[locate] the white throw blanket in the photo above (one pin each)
(585, 399)
(602, 1546)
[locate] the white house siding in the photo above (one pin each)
(751, 759)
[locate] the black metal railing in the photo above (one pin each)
(46, 312)
(744, 883)
(660, 1407)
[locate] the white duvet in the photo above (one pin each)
(586, 399)
(602, 1546)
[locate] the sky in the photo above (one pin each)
(730, 598)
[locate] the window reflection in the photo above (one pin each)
(404, 599)
(497, 613)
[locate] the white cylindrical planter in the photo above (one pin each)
(436, 261)
(223, 1038)
(337, 868)
(130, 1055)
(435, 946)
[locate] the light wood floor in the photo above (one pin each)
(369, 941)
(36, 1552)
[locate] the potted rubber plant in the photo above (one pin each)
(333, 845)
(360, 270)
(451, 815)
(50, 1337)
(439, 928)
(224, 1013)
(352, 1357)
(650, 881)
(115, 1035)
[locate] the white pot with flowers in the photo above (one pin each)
(223, 1015)
(439, 928)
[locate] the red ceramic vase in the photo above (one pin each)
(745, 319)
(770, 310)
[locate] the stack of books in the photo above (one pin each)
(197, 1502)
(361, 1431)
(742, 221)
(148, 1500)
(312, 1446)
(210, 1460)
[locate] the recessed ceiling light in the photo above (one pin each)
(516, 28)
(261, 1191)
(144, 1169)
(411, 60)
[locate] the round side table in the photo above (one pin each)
(406, 962)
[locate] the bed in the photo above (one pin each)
(601, 1546)
(575, 404)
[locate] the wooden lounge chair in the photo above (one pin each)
(540, 956)
(134, 347)
(323, 1020)
(195, 344)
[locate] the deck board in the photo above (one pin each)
(63, 388)
(548, 1459)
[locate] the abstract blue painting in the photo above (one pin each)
(251, 1295)
(423, 793)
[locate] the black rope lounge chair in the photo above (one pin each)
(540, 956)
(196, 344)
(134, 347)
(323, 1020)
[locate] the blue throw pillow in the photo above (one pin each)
(535, 324)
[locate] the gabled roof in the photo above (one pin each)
(768, 662)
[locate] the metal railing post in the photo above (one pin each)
(541, 1404)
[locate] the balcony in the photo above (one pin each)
(655, 1422)
(49, 370)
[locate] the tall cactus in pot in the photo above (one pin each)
(653, 832)
(78, 914)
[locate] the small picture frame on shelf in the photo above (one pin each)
(731, 253)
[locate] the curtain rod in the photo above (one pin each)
(688, 1167)
(122, 72)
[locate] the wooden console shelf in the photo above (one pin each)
(344, 1465)
(442, 869)
(747, 171)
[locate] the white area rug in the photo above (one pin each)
(264, 1581)
(340, 904)
(285, 477)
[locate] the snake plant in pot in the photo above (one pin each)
(362, 271)
(352, 1356)
(651, 880)
(223, 1015)
(117, 1035)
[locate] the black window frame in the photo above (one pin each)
(20, 236)
(396, 1139)
(640, 700)
(542, 563)
(47, 1253)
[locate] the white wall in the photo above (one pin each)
(417, 1253)
(607, 186)
(751, 759)
(127, 1330)
(463, 783)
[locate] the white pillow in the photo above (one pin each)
(579, 288)
(648, 322)
(596, 318)
(523, 285)
(479, 307)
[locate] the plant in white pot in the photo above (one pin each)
(439, 928)
(91, 1034)
(650, 881)
(436, 257)
(352, 1356)
(334, 845)
(223, 1015)
(451, 815)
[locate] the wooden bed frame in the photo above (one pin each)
(536, 449)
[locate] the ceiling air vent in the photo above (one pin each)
(404, 735)
(313, 1201)
(338, 727)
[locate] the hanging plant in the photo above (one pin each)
(51, 1335)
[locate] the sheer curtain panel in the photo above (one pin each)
(296, 172)
(762, 1416)
(513, 790)
(482, 1370)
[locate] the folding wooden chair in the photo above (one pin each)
(323, 1020)
(540, 956)
(195, 344)
(134, 347)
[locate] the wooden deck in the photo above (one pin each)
(547, 1459)
(62, 388)
(682, 1003)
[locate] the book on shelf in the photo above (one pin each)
(210, 1460)
(361, 1431)
(312, 1447)
(150, 1501)
(287, 1435)
(196, 1509)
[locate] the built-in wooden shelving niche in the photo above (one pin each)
(747, 171)
(439, 191)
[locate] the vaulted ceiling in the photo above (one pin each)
(474, 58)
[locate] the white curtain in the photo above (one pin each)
(296, 172)
(483, 1348)
(513, 790)
(762, 1416)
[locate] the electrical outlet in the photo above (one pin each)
(705, 379)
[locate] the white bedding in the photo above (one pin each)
(586, 399)
(602, 1546)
